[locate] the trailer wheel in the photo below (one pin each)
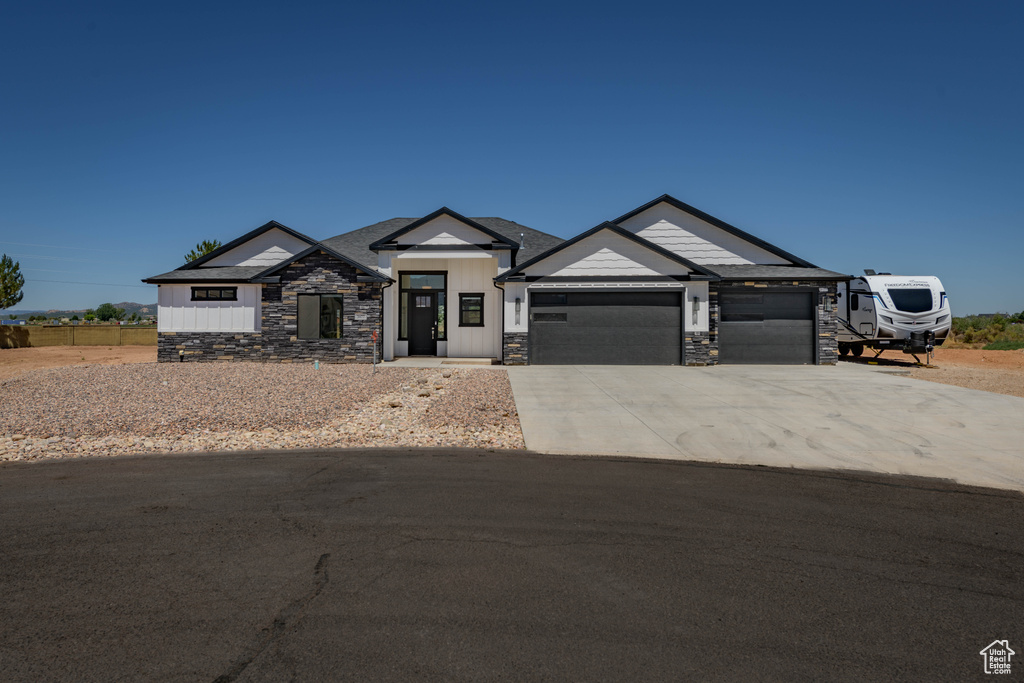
(844, 348)
(856, 349)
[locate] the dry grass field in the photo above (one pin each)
(16, 361)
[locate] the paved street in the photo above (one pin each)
(844, 417)
(449, 566)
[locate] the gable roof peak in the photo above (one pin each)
(718, 223)
(266, 227)
(444, 210)
(701, 271)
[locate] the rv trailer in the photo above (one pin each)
(885, 311)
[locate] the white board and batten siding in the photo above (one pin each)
(696, 240)
(266, 249)
(178, 313)
(465, 275)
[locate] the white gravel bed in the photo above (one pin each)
(157, 408)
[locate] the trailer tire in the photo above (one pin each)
(857, 349)
(844, 348)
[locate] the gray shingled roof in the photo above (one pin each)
(216, 274)
(762, 272)
(355, 244)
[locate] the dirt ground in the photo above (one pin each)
(1001, 372)
(16, 361)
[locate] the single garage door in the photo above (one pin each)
(606, 328)
(766, 327)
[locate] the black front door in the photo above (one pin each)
(423, 324)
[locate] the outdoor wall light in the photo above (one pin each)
(696, 309)
(519, 307)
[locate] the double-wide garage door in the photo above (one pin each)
(766, 327)
(606, 328)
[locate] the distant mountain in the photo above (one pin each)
(128, 306)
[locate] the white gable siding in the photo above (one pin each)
(606, 254)
(176, 312)
(696, 240)
(444, 230)
(267, 249)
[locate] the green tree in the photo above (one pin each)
(74, 317)
(12, 317)
(11, 282)
(202, 249)
(109, 312)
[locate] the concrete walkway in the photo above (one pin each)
(439, 361)
(843, 417)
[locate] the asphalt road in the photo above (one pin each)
(458, 565)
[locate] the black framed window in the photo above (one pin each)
(321, 316)
(912, 300)
(471, 310)
(548, 299)
(215, 294)
(409, 284)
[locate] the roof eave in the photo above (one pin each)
(444, 210)
(372, 274)
(266, 227)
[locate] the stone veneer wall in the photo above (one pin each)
(515, 348)
(828, 342)
(278, 342)
(699, 350)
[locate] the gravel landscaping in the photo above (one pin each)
(120, 409)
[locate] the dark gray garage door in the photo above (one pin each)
(766, 327)
(605, 328)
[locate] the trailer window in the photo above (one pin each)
(912, 300)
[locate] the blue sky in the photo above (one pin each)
(872, 135)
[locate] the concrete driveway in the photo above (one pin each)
(845, 417)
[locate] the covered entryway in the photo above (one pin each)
(606, 328)
(766, 327)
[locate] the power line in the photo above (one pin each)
(99, 284)
(57, 258)
(58, 246)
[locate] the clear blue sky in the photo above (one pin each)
(867, 135)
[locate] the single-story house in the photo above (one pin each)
(663, 284)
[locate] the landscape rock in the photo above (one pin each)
(102, 410)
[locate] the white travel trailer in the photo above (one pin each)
(886, 311)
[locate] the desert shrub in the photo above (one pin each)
(984, 329)
(1004, 345)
